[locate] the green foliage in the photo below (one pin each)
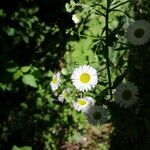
(38, 39)
(21, 148)
(31, 51)
(30, 80)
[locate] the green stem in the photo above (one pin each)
(107, 48)
(119, 5)
(86, 36)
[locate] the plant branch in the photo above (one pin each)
(118, 5)
(107, 48)
(84, 35)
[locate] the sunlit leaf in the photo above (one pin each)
(25, 69)
(21, 148)
(30, 80)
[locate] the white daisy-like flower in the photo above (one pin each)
(55, 81)
(138, 32)
(83, 104)
(96, 115)
(84, 78)
(63, 95)
(75, 18)
(126, 94)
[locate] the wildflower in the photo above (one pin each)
(138, 32)
(96, 115)
(75, 18)
(84, 78)
(83, 104)
(126, 94)
(55, 81)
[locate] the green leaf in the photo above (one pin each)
(64, 71)
(25, 69)
(13, 69)
(17, 75)
(2, 14)
(26, 39)
(81, 28)
(33, 10)
(24, 105)
(49, 74)
(39, 102)
(119, 79)
(30, 80)
(10, 31)
(21, 148)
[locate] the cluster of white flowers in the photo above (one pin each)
(95, 114)
(85, 78)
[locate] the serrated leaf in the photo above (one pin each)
(25, 69)
(30, 80)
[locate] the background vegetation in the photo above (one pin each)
(38, 38)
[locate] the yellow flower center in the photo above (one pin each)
(138, 33)
(97, 115)
(82, 102)
(127, 94)
(54, 81)
(85, 77)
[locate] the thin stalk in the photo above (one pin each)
(119, 5)
(107, 48)
(83, 35)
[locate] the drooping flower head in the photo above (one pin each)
(83, 104)
(84, 78)
(96, 115)
(138, 32)
(55, 81)
(126, 94)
